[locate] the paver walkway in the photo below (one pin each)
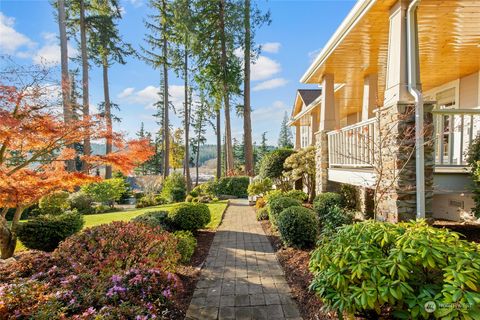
(242, 278)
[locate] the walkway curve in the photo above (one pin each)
(242, 278)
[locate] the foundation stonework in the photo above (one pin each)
(321, 161)
(395, 167)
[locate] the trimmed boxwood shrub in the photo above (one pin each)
(189, 216)
(326, 200)
(278, 204)
(233, 186)
(262, 214)
(154, 219)
(45, 232)
(372, 267)
(297, 194)
(298, 227)
(331, 212)
(186, 245)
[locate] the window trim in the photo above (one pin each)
(431, 94)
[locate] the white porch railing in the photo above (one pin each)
(352, 146)
(454, 131)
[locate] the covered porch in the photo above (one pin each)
(368, 71)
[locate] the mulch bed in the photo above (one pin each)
(295, 264)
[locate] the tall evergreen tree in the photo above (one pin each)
(219, 23)
(106, 47)
(66, 99)
(158, 55)
(253, 18)
(285, 139)
(200, 120)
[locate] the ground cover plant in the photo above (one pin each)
(370, 268)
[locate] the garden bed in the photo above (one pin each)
(295, 264)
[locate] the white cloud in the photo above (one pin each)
(10, 39)
(136, 3)
(270, 84)
(50, 51)
(126, 92)
(273, 113)
(264, 68)
(149, 95)
(271, 47)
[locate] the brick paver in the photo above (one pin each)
(241, 278)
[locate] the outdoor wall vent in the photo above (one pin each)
(456, 203)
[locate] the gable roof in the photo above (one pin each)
(309, 95)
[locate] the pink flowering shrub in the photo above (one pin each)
(119, 246)
(116, 271)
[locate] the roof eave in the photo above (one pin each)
(357, 12)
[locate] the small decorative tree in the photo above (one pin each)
(106, 191)
(301, 165)
(271, 167)
(34, 147)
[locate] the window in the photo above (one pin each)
(446, 99)
(304, 136)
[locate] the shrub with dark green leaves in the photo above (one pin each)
(298, 227)
(324, 201)
(45, 232)
(55, 203)
(370, 267)
(331, 211)
(82, 202)
(297, 194)
(335, 217)
(174, 188)
(154, 219)
(233, 186)
(271, 165)
(262, 214)
(277, 205)
(189, 216)
(186, 245)
(349, 196)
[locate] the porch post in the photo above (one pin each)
(370, 88)
(297, 137)
(329, 120)
(395, 164)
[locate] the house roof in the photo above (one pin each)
(309, 95)
(449, 45)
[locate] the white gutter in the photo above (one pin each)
(355, 15)
(412, 64)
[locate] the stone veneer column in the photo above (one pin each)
(321, 162)
(395, 165)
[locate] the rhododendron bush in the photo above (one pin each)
(36, 144)
(115, 271)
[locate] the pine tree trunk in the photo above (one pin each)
(166, 129)
(197, 160)
(85, 93)
(8, 238)
(247, 122)
(67, 107)
(219, 146)
(108, 116)
(226, 100)
(187, 125)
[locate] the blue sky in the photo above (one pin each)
(299, 29)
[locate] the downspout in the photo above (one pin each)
(412, 71)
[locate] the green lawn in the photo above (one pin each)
(216, 211)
